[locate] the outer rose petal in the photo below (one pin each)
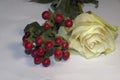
(92, 39)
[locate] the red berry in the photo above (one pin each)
(49, 45)
(66, 55)
(65, 45)
(46, 25)
(58, 40)
(37, 60)
(24, 39)
(34, 53)
(27, 34)
(40, 52)
(68, 23)
(58, 53)
(58, 18)
(46, 15)
(39, 40)
(46, 62)
(28, 45)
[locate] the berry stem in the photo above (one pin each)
(56, 27)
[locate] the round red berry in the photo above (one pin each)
(34, 53)
(68, 22)
(46, 25)
(40, 51)
(24, 39)
(58, 40)
(65, 45)
(39, 40)
(46, 62)
(58, 53)
(49, 45)
(46, 15)
(58, 18)
(27, 34)
(28, 45)
(66, 55)
(37, 60)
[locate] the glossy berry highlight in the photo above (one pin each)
(40, 51)
(58, 40)
(68, 23)
(39, 40)
(66, 55)
(34, 53)
(28, 45)
(37, 60)
(57, 53)
(47, 26)
(46, 62)
(49, 45)
(46, 15)
(65, 44)
(58, 18)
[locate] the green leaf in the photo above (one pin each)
(69, 8)
(34, 29)
(48, 35)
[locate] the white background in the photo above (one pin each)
(15, 65)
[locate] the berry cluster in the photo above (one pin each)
(58, 18)
(43, 41)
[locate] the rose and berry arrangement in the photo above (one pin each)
(68, 28)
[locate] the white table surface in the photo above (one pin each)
(15, 65)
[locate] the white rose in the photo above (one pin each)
(92, 36)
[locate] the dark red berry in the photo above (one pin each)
(46, 25)
(39, 40)
(58, 40)
(46, 62)
(49, 45)
(34, 53)
(37, 60)
(58, 18)
(40, 51)
(66, 55)
(46, 15)
(28, 45)
(68, 22)
(27, 34)
(58, 53)
(65, 45)
(24, 39)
